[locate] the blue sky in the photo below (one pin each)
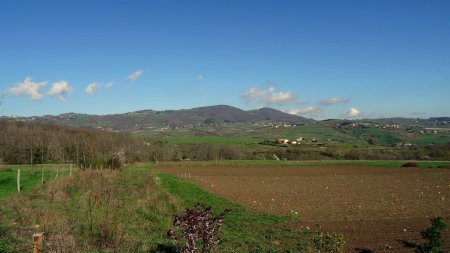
(318, 59)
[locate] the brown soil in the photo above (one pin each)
(376, 208)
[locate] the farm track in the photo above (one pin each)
(376, 208)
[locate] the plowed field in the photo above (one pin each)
(378, 209)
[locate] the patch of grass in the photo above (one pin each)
(28, 180)
(243, 163)
(206, 139)
(244, 230)
(383, 137)
(424, 139)
(94, 211)
(321, 133)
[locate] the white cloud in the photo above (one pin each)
(303, 111)
(333, 101)
(280, 98)
(28, 88)
(255, 93)
(109, 85)
(200, 77)
(61, 88)
(352, 113)
(136, 75)
(90, 89)
(268, 96)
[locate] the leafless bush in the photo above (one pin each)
(199, 229)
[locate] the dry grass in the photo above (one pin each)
(108, 211)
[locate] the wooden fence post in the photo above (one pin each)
(37, 242)
(42, 175)
(18, 180)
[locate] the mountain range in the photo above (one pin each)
(217, 114)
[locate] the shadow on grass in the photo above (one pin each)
(363, 250)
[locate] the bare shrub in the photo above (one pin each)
(199, 229)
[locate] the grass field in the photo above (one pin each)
(206, 139)
(383, 137)
(431, 139)
(321, 133)
(29, 180)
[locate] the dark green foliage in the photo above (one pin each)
(433, 235)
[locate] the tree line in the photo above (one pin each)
(37, 143)
(32, 143)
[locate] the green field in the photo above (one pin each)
(29, 180)
(235, 140)
(382, 137)
(320, 132)
(424, 139)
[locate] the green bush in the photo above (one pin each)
(433, 235)
(329, 242)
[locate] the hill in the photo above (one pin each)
(209, 115)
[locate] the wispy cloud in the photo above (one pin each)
(200, 77)
(352, 113)
(92, 87)
(268, 96)
(333, 101)
(136, 75)
(61, 88)
(109, 84)
(303, 111)
(28, 88)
